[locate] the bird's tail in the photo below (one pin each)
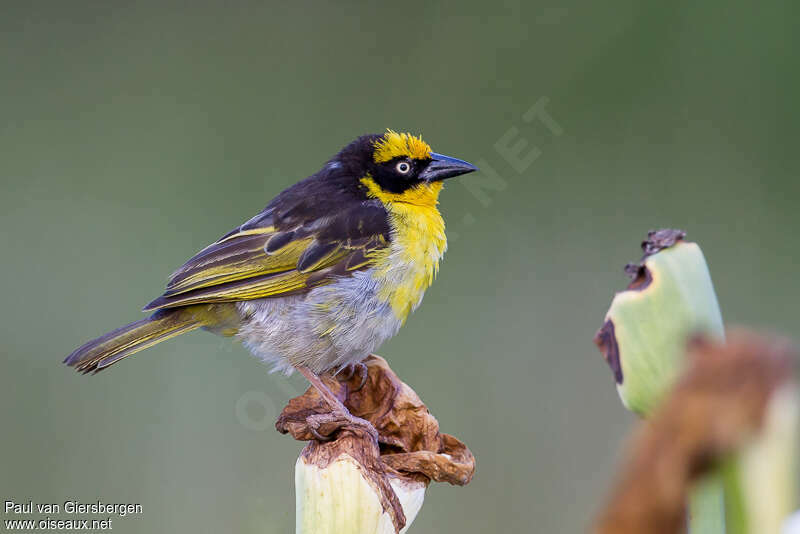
(130, 339)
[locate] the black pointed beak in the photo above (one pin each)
(442, 167)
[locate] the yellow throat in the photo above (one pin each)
(409, 265)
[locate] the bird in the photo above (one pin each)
(320, 278)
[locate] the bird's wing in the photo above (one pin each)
(273, 254)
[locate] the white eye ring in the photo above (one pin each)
(403, 167)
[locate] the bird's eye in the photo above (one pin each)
(403, 167)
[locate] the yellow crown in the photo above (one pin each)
(394, 144)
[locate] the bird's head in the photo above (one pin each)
(399, 167)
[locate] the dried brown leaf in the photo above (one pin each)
(411, 446)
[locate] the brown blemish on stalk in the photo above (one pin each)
(657, 240)
(411, 447)
(717, 404)
(606, 341)
(641, 277)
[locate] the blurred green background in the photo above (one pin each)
(132, 134)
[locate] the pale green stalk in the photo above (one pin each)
(761, 481)
(644, 340)
(339, 498)
(673, 299)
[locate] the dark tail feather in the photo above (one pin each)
(130, 339)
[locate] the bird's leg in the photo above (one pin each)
(350, 370)
(339, 413)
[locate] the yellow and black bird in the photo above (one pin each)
(318, 280)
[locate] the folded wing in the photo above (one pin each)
(273, 256)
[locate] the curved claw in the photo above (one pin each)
(346, 373)
(317, 435)
(314, 422)
(352, 369)
(364, 372)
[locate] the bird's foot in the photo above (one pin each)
(352, 369)
(340, 420)
(339, 417)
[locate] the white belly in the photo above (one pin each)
(324, 329)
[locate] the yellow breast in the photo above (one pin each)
(408, 266)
